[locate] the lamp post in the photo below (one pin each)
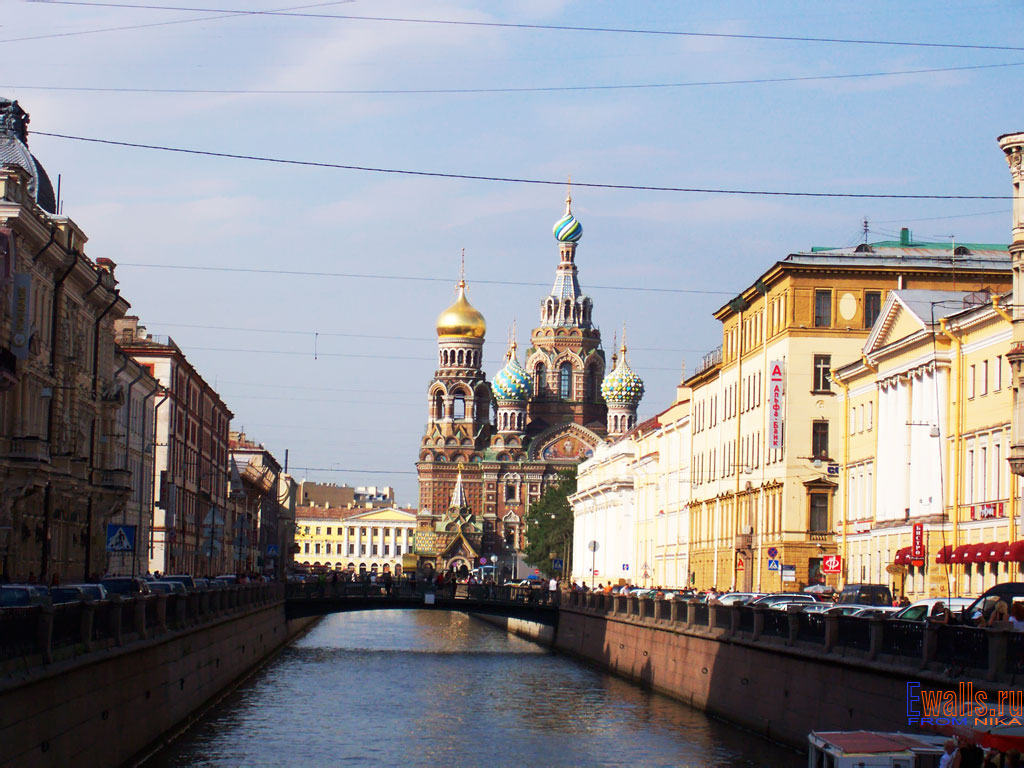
(593, 546)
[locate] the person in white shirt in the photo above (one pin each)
(949, 753)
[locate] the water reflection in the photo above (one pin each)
(438, 688)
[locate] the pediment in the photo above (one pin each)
(564, 442)
(896, 321)
(385, 515)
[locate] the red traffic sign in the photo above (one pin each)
(832, 564)
(483, 561)
(537, 571)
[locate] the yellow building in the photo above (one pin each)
(373, 540)
(925, 446)
(766, 419)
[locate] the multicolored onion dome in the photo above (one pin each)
(568, 228)
(461, 318)
(512, 383)
(622, 386)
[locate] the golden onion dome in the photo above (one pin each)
(461, 318)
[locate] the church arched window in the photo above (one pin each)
(459, 407)
(565, 380)
(540, 384)
(437, 413)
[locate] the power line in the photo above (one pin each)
(510, 89)
(312, 333)
(514, 180)
(359, 471)
(551, 27)
(941, 218)
(415, 278)
(82, 32)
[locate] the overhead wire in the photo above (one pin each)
(548, 27)
(512, 179)
(505, 89)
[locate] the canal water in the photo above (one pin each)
(433, 688)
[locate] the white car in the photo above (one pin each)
(741, 598)
(922, 609)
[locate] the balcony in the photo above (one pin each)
(1017, 459)
(743, 540)
(711, 359)
(115, 479)
(34, 449)
(824, 536)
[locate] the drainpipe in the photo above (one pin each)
(1013, 496)
(96, 341)
(737, 402)
(152, 486)
(957, 426)
(46, 246)
(846, 474)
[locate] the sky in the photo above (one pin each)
(333, 367)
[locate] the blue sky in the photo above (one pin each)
(908, 134)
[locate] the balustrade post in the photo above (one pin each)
(713, 615)
(658, 609)
(998, 653)
(139, 616)
(44, 632)
(793, 617)
(116, 619)
(929, 644)
(180, 610)
(758, 621)
(673, 610)
(618, 604)
(691, 612)
(831, 632)
(735, 617)
(161, 612)
(875, 630)
(88, 620)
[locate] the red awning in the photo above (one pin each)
(994, 553)
(960, 554)
(977, 553)
(902, 556)
(1017, 552)
(944, 554)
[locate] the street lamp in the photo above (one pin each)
(593, 546)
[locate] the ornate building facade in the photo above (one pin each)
(490, 449)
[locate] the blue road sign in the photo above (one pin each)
(773, 565)
(625, 566)
(271, 550)
(556, 564)
(120, 538)
(773, 552)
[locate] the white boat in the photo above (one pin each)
(873, 749)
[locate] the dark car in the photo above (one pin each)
(12, 595)
(1011, 592)
(184, 578)
(67, 594)
(126, 585)
(865, 594)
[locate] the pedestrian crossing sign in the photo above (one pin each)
(120, 538)
(773, 565)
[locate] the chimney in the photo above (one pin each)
(905, 236)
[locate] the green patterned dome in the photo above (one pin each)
(512, 383)
(622, 386)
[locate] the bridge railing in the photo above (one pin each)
(451, 591)
(990, 653)
(42, 634)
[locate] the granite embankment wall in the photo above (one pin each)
(542, 634)
(110, 705)
(767, 671)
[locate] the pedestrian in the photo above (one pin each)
(940, 614)
(1017, 616)
(968, 755)
(948, 751)
(1000, 613)
(387, 583)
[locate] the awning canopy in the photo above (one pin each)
(1016, 552)
(996, 552)
(977, 553)
(944, 554)
(960, 554)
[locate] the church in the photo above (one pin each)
(491, 448)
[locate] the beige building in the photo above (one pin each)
(766, 418)
(927, 437)
(133, 451)
(373, 540)
(345, 496)
(61, 478)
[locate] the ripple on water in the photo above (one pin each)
(431, 687)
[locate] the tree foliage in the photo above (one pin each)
(549, 525)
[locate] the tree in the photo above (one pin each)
(549, 526)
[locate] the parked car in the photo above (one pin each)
(921, 610)
(67, 594)
(200, 582)
(815, 607)
(184, 578)
(865, 594)
(12, 595)
(167, 587)
(875, 612)
(845, 610)
(741, 598)
(228, 579)
(126, 585)
(782, 597)
(92, 591)
(1009, 592)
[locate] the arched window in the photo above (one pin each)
(437, 413)
(460, 357)
(565, 380)
(540, 384)
(459, 407)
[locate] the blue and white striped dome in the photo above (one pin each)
(568, 228)
(512, 383)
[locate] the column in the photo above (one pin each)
(345, 545)
(405, 540)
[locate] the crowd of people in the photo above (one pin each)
(961, 753)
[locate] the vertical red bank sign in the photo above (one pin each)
(775, 391)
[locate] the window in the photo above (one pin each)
(822, 309)
(510, 492)
(398, 550)
(318, 530)
(999, 373)
(822, 377)
(328, 531)
(351, 531)
(374, 549)
(387, 550)
(871, 414)
(819, 512)
(971, 377)
(374, 531)
(307, 548)
(459, 408)
(362, 549)
(984, 377)
(565, 381)
(351, 549)
(316, 547)
(872, 307)
(819, 440)
(327, 548)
